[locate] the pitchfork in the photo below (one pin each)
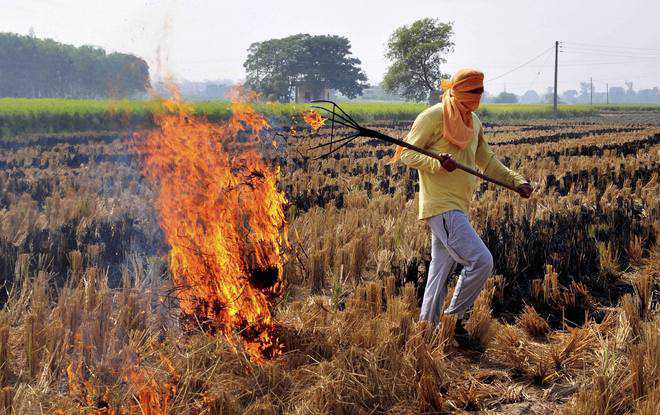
(338, 116)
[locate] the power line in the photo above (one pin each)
(593, 56)
(603, 50)
(603, 61)
(521, 65)
(609, 51)
(568, 45)
(609, 46)
(608, 54)
(594, 63)
(544, 65)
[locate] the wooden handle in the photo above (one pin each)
(378, 135)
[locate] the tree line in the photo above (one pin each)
(43, 68)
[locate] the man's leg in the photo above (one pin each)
(436, 283)
(466, 247)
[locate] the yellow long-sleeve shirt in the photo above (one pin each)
(439, 190)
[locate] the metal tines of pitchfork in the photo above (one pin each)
(339, 118)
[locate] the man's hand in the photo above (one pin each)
(448, 163)
(525, 190)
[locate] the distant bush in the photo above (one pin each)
(505, 98)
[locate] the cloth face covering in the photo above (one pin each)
(458, 105)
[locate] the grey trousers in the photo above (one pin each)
(453, 240)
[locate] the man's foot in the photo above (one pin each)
(464, 339)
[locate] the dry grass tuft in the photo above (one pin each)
(623, 380)
(645, 362)
(410, 296)
(630, 306)
(481, 325)
(635, 251)
(511, 348)
(532, 323)
(645, 283)
(446, 329)
(390, 287)
(650, 405)
(550, 285)
(432, 381)
(609, 261)
(4, 352)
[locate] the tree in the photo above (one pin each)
(35, 68)
(617, 94)
(530, 97)
(630, 92)
(505, 98)
(648, 95)
(570, 96)
(417, 52)
(549, 96)
(276, 66)
(585, 91)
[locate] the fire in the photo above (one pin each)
(85, 392)
(152, 397)
(314, 119)
(223, 217)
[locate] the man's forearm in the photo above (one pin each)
(420, 161)
(495, 169)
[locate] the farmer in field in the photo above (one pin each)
(453, 129)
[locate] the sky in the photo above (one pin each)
(611, 41)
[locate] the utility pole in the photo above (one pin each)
(554, 100)
(608, 93)
(591, 94)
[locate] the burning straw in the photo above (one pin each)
(223, 219)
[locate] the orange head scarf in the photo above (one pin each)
(458, 105)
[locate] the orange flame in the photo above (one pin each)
(314, 119)
(150, 394)
(153, 398)
(223, 218)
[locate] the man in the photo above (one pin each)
(451, 128)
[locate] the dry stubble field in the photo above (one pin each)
(569, 322)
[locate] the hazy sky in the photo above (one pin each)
(618, 40)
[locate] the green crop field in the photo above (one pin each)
(20, 116)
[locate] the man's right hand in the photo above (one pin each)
(525, 190)
(447, 162)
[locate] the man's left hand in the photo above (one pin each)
(525, 190)
(448, 163)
